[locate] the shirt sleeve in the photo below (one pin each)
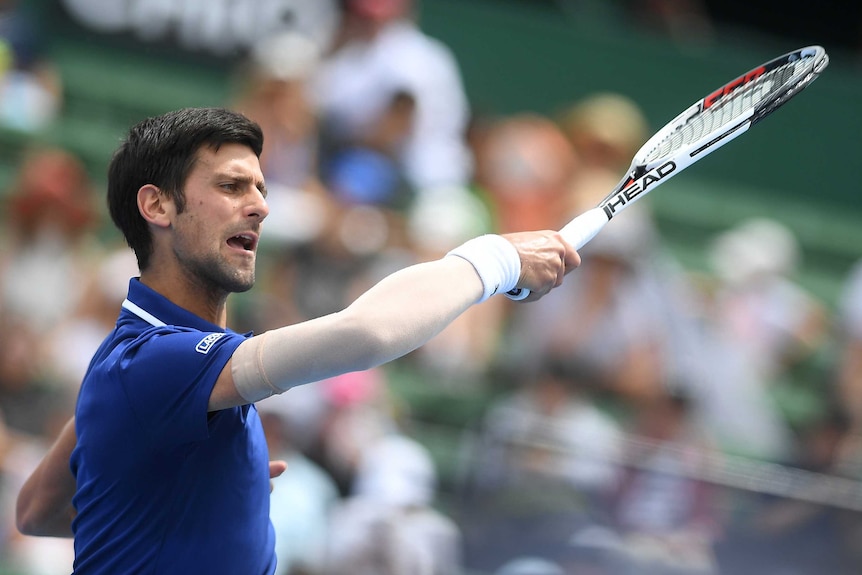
(168, 378)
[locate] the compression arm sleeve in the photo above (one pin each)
(399, 314)
(393, 318)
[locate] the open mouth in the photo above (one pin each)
(247, 242)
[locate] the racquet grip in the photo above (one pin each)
(577, 232)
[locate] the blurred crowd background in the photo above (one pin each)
(689, 402)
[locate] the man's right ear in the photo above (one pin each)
(155, 207)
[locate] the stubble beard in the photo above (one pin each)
(217, 276)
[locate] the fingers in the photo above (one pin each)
(276, 468)
(572, 258)
(561, 273)
(545, 260)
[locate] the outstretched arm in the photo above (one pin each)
(44, 504)
(393, 318)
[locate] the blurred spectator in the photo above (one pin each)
(19, 455)
(26, 400)
(40, 372)
(760, 305)
(46, 265)
(797, 535)
(381, 52)
(388, 526)
(550, 429)
(850, 324)
(849, 363)
(31, 90)
(367, 171)
(525, 166)
(68, 346)
(318, 20)
(667, 518)
(301, 502)
(543, 464)
(360, 412)
(368, 186)
(49, 250)
(764, 307)
(730, 399)
(274, 93)
(606, 129)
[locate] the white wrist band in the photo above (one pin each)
(496, 261)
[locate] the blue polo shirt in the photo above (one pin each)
(164, 486)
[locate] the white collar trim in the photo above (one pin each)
(143, 314)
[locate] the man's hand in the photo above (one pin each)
(276, 468)
(545, 260)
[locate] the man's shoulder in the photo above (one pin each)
(160, 348)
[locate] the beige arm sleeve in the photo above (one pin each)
(393, 318)
(249, 372)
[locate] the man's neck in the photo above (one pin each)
(207, 304)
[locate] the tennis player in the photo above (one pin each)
(164, 467)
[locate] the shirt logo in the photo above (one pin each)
(206, 343)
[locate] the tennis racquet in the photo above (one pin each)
(708, 124)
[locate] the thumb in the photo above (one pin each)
(276, 468)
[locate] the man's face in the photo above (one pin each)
(216, 236)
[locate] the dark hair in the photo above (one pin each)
(162, 151)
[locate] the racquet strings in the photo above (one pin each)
(729, 108)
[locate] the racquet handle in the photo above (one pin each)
(577, 232)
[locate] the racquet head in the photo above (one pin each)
(720, 116)
(702, 128)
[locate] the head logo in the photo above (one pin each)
(633, 188)
(206, 343)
